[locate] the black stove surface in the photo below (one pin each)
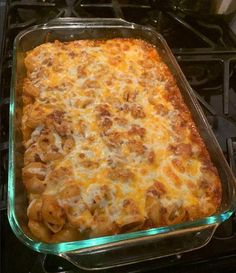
(206, 53)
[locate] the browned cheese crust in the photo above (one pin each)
(110, 146)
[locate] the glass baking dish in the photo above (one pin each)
(122, 249)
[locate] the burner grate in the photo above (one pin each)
(3, 154)
(206, 54)
(210, 74)
(3, 186)
(232, 153)
(210, 70)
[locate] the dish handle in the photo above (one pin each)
(145, 249)
(88, 22)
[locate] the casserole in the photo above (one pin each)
(105, 252)
(110, 146)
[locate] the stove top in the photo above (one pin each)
(205, 48)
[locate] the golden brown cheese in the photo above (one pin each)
(110, 146)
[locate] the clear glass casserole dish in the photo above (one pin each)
(122, 249)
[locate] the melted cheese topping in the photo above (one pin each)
(108, 136)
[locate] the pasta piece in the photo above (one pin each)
(34, 211)
(37, 114)
(34, 185)
(131, 218)
(69, 144)
(30, 89)
(102, 225)
(153, 208)
(76, 210)
(52, 214)
(176, 214)
(67, 234)
(39, 230)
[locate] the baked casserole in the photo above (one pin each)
(110, 146)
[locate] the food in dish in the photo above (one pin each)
(110, 146)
